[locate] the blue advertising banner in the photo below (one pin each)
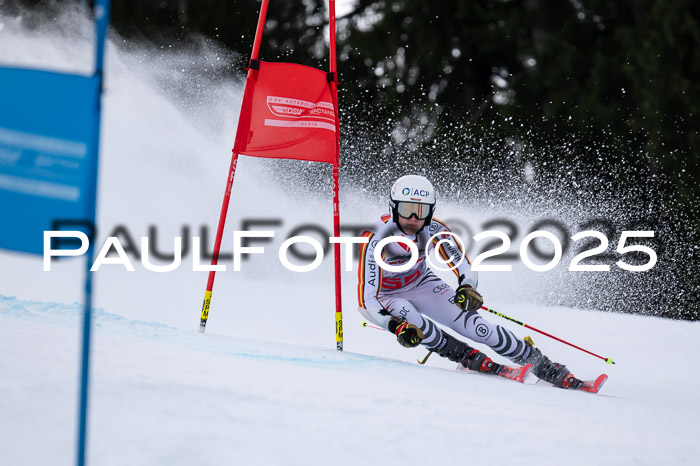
(49, 137)
(48, 153)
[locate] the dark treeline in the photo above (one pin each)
(618, 80)
(604, 70)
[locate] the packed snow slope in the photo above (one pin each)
(162, 395)
(265, 385)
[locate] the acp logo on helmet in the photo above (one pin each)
(416, 192)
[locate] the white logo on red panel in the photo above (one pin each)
(301, 112)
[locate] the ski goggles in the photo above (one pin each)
(407, 209)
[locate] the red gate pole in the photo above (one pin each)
(336, 169)
(229, 182)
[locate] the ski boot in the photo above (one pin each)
(552, 372)
(460, 352)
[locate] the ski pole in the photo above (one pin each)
(368, 325)
(607, 360)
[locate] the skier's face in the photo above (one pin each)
(411, 225)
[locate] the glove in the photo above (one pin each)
(467, 298)
(408, 335)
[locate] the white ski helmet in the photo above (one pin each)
(412, 195)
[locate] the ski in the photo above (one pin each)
(508, 372)
(590, 386)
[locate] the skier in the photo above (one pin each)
(401, 301)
